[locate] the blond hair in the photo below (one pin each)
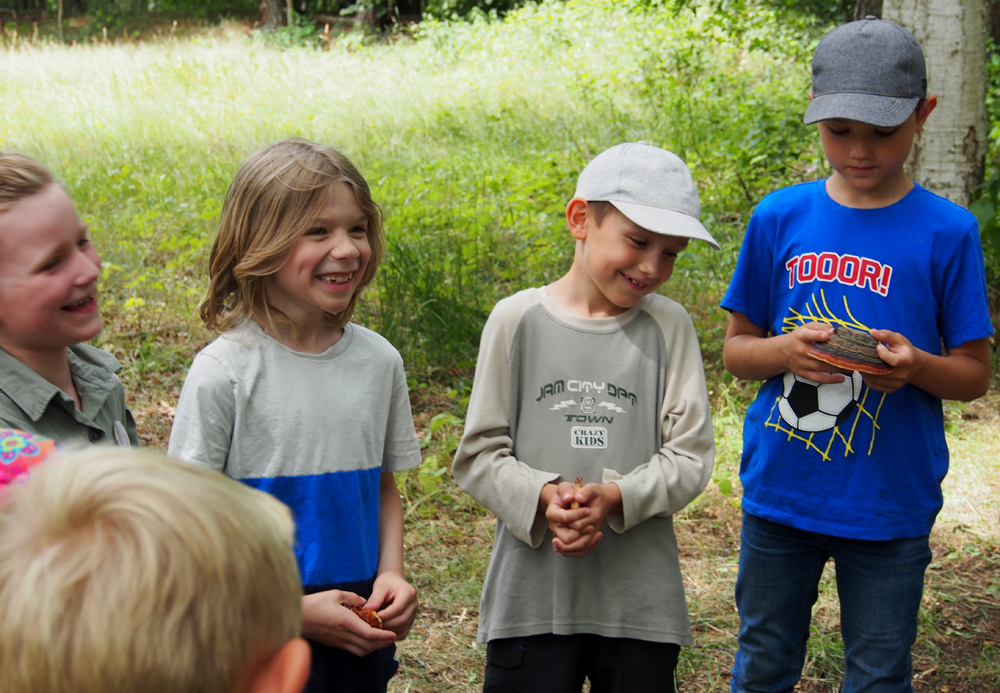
(20, 177)
(127, 571)
(269, 206)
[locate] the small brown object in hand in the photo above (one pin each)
(577, 485)
(366, 615)
(850, 349)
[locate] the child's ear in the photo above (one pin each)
(285, 672)
(577, 211)
(925, 110)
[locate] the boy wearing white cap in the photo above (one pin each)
(597, 379)
(844, 448)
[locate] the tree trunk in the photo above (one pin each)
(864, 8)
(948, 157)
(272, 15)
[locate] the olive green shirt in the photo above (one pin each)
(31, 403)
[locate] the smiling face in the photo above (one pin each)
(868, 160)
(618, 262)
(326, 265)
(48, 275)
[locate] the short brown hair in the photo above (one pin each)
(600, 209)
(123, 570)
(268, 208)
(20, 177)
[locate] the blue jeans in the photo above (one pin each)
(880, 585)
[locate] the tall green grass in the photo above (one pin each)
(471, 134)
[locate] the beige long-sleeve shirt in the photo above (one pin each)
(558, 396)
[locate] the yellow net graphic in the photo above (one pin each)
(840, 439)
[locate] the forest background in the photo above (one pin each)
(471, 126)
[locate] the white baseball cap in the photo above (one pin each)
(650, 186)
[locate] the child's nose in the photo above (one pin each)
(343, 246)
(650, 266)
(861, 149)
(88, 268)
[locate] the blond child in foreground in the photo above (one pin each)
(130, 572)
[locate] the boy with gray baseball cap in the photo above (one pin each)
(847, 462)
(588, 428)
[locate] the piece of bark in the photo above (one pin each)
(850, 349)
(366, 615)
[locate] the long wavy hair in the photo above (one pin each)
(269, 206)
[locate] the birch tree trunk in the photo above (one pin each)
(948, 157)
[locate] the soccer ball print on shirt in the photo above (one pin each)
(810, 406)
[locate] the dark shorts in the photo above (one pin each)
(559, 663)
(338, 671)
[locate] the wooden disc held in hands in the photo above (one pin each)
(850, 349)
(366, 615)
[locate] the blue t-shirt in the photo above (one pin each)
(843, 459)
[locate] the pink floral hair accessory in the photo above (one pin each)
(19, 452)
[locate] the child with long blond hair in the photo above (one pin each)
(296, 400)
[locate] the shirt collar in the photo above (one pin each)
(33, 393)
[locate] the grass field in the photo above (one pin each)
(471, 137)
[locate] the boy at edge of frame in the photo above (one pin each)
(595, 377)
(866, 249)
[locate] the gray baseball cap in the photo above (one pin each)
(650, 186)
(871, 71)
